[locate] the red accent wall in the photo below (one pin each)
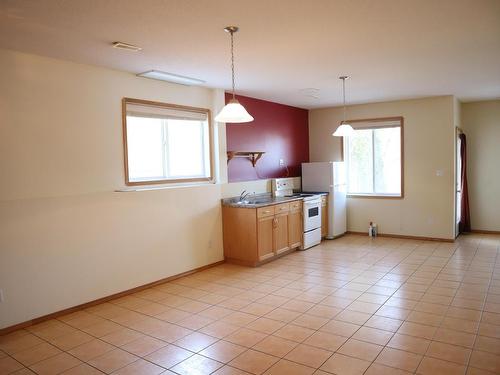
(281, 131)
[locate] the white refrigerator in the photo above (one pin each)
(329, 177)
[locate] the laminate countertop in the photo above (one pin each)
(260, 200)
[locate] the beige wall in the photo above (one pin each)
(65, 236)
(428, 206)
(481, 125)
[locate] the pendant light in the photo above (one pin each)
(344, 130)
(233, 112)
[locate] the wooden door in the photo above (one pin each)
(295, 225)
(324, 216)
(281, 233)
(265, 228)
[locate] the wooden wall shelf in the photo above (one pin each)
(252, 155)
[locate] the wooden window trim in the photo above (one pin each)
(380, 119)
(209, 179)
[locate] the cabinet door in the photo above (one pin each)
(295, 232)
(281, 233)
(324, 216)
(265, 228)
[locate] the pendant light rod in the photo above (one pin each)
(344, 130)
(343, 78)
(231, 30)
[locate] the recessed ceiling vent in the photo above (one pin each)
(126, 46)
(310, 92)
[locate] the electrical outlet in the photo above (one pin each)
(1, 296)
(439, 173)
(282, 162)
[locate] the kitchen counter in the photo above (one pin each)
(261, 200)
(258, 200)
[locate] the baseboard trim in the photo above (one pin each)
(482, 231)
(15, 327)
(402, 236)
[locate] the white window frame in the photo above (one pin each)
(376, 123)
(174, 107)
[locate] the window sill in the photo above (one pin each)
(164, 187)
(375, 196)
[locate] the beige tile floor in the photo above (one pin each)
(349, 306)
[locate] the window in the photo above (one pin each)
(166, 143)
(374, 158)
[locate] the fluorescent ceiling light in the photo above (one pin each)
(126, 46)
(170, 77)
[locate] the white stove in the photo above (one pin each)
(283, 187)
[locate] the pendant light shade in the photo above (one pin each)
(233, 112)
(344, 130)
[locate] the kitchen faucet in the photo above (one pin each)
(243, 195)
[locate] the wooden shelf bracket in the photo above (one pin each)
(254, 156)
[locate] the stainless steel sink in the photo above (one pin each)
(253, 202)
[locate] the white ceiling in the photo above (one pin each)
(393, 49)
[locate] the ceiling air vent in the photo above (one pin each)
(126, 46)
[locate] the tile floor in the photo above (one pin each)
(349, 306)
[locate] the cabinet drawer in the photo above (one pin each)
(265, 211)
(296, 205)
(281, 208)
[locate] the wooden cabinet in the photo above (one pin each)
(280, 233)
(295, 225)
(265, 228)
(254, 235)
(324, 215)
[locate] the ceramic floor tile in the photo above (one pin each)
(324, 340)
(254, 362)
(91, 349)
(399, 359)
(83, 369)
(56, 364)
(342, 364)
(289, 368)
(409, 343)
(308, 355)
(168, 356)
(223, 351)
(360, 349)
(8, 365)
(245, 337)
(275, 346)
(373, 335)
(378, 369)
(196, 341)
(113, 360)
(294, 333)
(197, 365)
(432, 366)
